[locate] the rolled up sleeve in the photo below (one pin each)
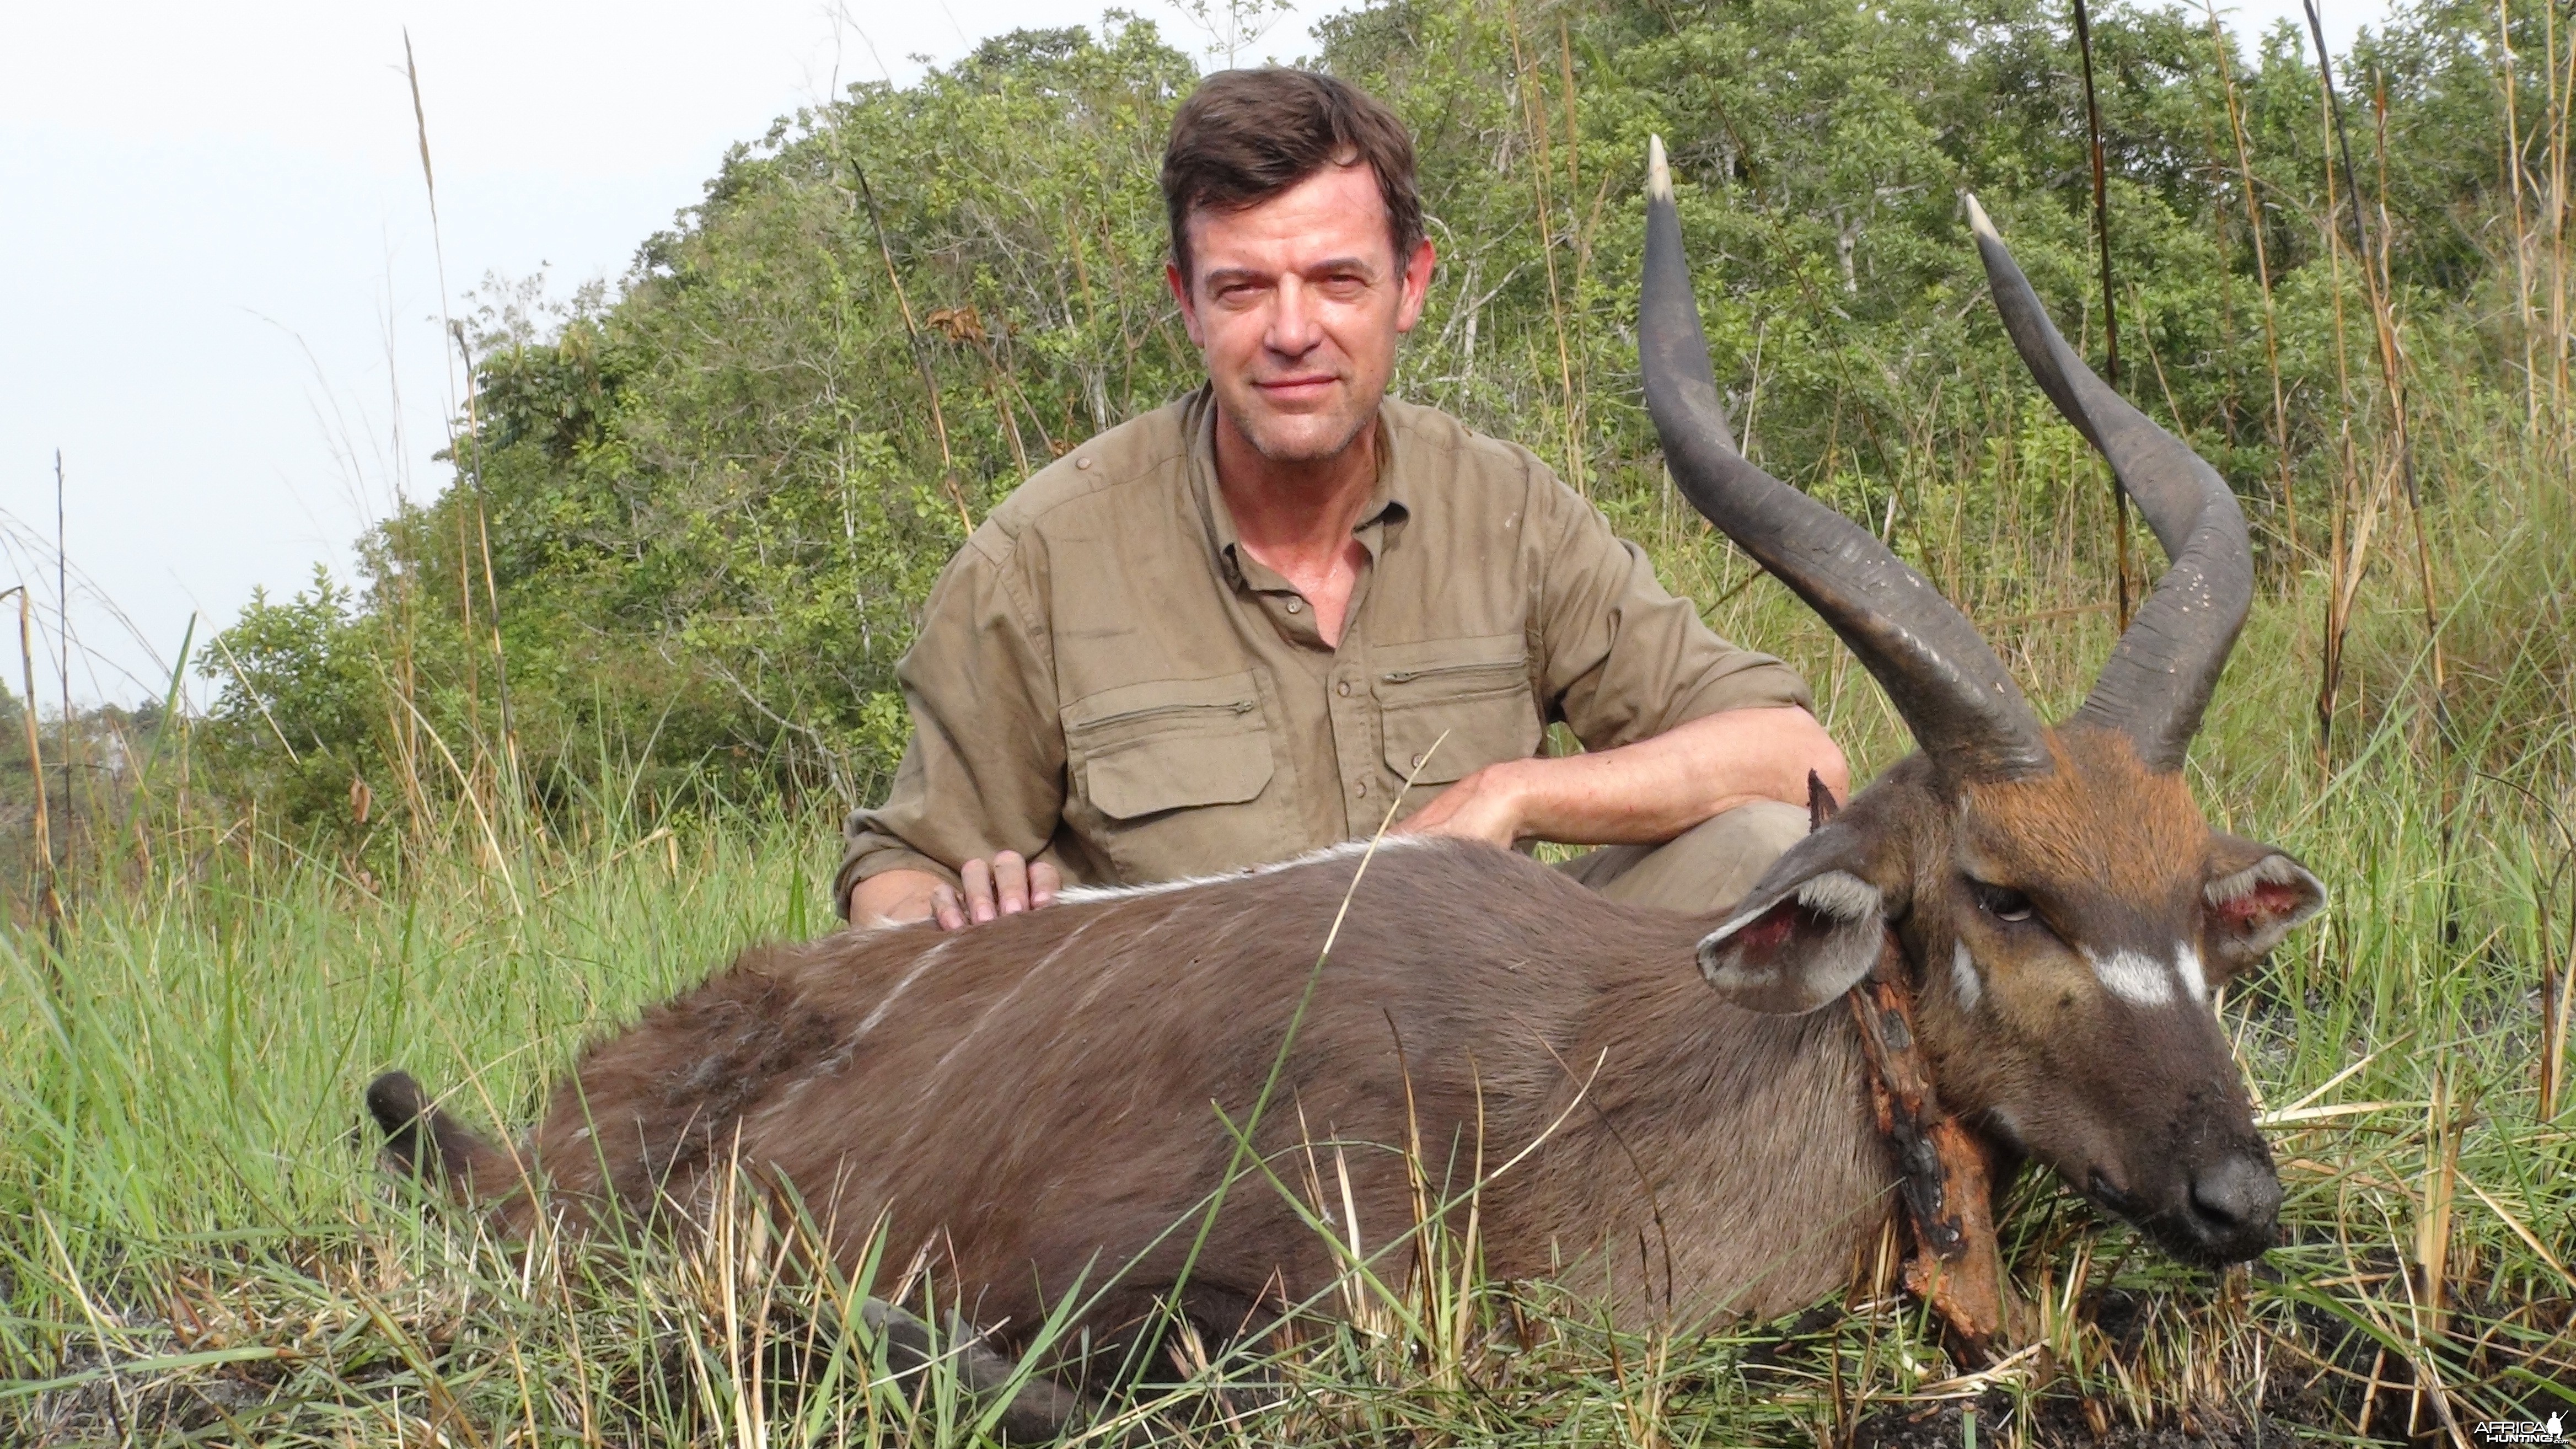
(1623, 659)
(984, 770)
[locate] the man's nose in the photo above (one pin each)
(1294, 327)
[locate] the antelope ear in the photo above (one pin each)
(1807, 931)
(2255, 894)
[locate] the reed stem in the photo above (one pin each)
(2110, 306)
(920, 353)
(1534, 121)
(49, 905)
(2263, 278)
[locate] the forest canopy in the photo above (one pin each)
(692, 516)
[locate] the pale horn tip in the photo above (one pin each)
(1978, 221)
(1659, 175)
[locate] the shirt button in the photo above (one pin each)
(1418, 759)
(1360, 788)
(1083, 462)
(1296, 606)
(1343, 689)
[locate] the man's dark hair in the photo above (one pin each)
(1245, 136)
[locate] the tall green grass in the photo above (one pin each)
(195, 1245)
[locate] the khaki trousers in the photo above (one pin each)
(1705, 868)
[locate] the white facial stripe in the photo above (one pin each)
(2195, 984)
(2134, 977)
(1963, 976)
(2141, 980)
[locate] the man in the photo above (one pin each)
(1231, 630)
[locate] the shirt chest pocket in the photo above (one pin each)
(1167, 775)
(1450, 707)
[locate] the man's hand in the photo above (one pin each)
(1645, 793)
(1003, 886)
(1486, 806)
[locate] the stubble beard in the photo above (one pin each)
(1297, 446)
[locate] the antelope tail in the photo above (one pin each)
(423, 1139)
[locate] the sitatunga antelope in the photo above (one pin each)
(1041, 1098)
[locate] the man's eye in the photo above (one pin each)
(2001, 903)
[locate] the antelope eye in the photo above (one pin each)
(2000, 903)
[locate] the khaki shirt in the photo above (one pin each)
(1105, 680)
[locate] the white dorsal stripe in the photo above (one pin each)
(928, 959)
(1009, 996)
(1963, 976)
(1083, 895)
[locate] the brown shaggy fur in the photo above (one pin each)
(1046, 1103)
(1041, 1099)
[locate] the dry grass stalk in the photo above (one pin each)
(495, 860)
(2433, 1217)
(2344, 559)
(49, 905)
(2263, 278)
(2560, 118)
(2512, 159)
(243, 681)
(1534, 121)
(402, 708)
(2110, 310)
(438, 250)
(920, 354)
(2558, 984)
(516, 793)
(2392, 367)
(2347, 558)
(63, 642)
(964, 324)
(496, 773)
(465, 620)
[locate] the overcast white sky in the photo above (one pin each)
(218, 294)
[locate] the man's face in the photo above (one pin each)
(1297, 305)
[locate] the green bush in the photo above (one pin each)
(705, 509)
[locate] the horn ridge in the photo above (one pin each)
(2156, 684)
(1964, 709)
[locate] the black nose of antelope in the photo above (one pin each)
(2234, 1205)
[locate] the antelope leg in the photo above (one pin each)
(1040, 1411)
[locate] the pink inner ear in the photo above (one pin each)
(1769, 931)
(2266, 902)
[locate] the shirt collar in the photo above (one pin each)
(1386, 506)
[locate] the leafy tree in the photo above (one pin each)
(704, 510)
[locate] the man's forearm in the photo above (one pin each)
(1648, 792)
(894, 898)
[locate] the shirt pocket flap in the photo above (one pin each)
(1451, 707)
(1175, 772)
(1169, 744)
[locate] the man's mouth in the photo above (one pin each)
(1297, 389)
